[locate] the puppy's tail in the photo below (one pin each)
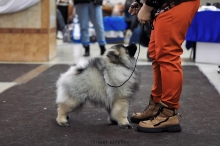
(81, 66)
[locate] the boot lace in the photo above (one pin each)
(160, 111)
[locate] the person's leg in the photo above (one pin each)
(60, 21)
(156, 90)
(170, 29)
(97, 20)
(156, 93)
(82, 11)
(135, 37)
(61, 26)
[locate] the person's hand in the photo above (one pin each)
(144, 14)
(134, 8)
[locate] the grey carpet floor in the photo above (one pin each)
(9, 72)
(28, 112)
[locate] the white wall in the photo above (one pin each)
(117, 1)
(203, 2)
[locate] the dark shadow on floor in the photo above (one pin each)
(9, 72)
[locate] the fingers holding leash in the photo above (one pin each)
(134, 8)
(142, 21)
(139, 10)
(144, 15)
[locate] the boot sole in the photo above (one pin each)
(174, 128)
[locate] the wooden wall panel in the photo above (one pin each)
(45, 13)
(29, 18)
(52, 45)
(16, 47)
(26, 36)
(39, 47)
(53, 21)
(34, 16)
(6, 20)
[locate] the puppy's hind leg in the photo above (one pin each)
(64, 108)
(119, 112)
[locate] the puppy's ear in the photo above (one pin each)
(113, 56)
(132, 48)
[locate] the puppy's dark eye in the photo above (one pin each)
(126, 50)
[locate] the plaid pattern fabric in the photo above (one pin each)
(167, 6)
(161, 6)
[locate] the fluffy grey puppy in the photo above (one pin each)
(93, 81)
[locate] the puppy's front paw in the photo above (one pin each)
(128, 126)
(65, 124)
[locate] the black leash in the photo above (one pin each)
(134, 66)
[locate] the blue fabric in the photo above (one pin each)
(116, 23)
(205, 27)
(135, 37)
(86, 12)
(189, 44)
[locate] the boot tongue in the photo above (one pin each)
(151, 101)
(167, 112)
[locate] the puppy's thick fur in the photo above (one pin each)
(90, 82)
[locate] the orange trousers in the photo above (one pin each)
(169, 32)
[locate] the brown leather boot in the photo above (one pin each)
(166, 120)
(148, 113)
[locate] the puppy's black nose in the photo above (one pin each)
(132, 48)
